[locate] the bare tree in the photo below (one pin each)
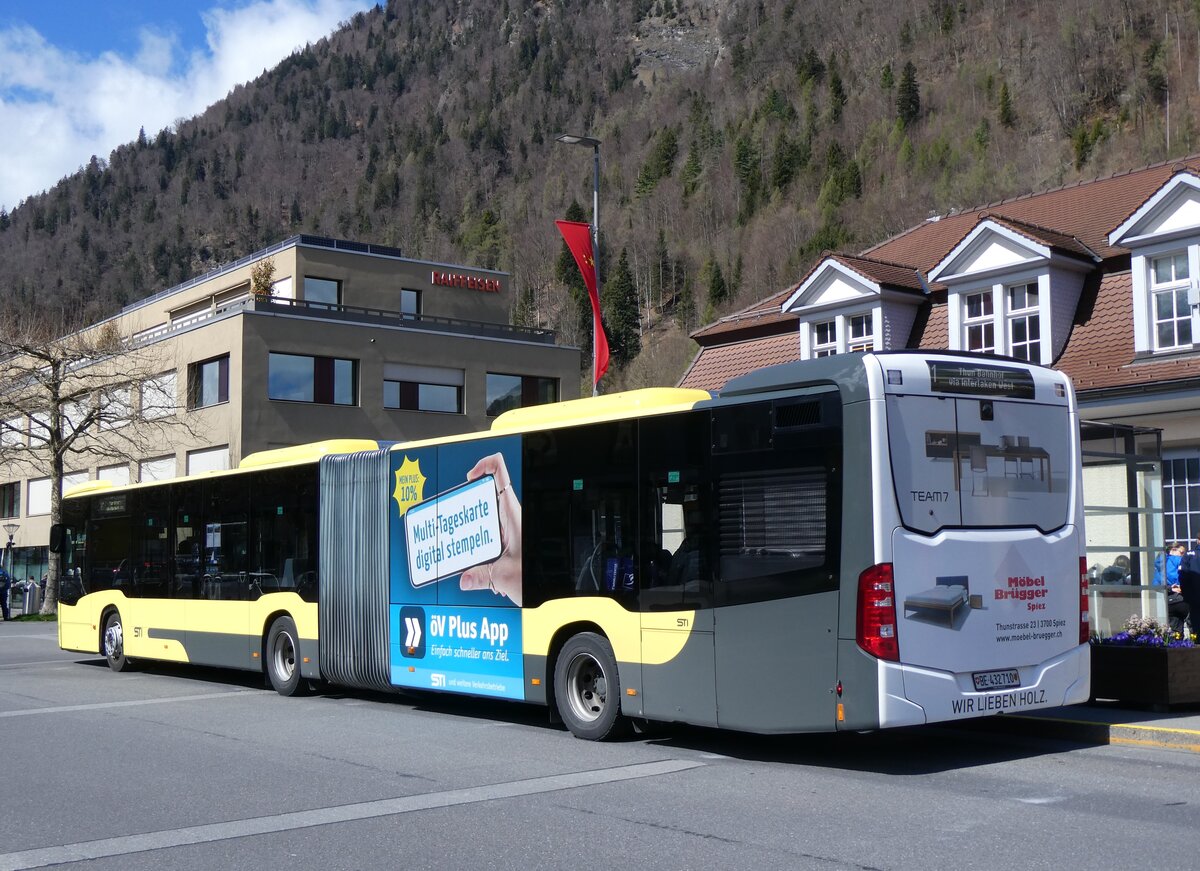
(90, 393)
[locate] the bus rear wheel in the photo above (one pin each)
(114, 643)
(283, 665)
(587, 689)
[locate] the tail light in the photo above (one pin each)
(875, 628)
(1085, 626)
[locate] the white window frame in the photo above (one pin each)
(860, 340)
(1028, 314)
(829, 346)
(982, 322)
(1177, 287)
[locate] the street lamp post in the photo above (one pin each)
(594, 144)
(11, 529)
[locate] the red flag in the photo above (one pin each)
(578, 237)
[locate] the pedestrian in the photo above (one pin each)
(1189, 577)
(5, 586)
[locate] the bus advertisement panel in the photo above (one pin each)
(455, 559)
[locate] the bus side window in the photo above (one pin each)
(778, 502)
(676, 530)
(580, 510)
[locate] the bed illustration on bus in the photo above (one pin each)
(941, 601)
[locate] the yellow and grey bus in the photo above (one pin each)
(853, 542)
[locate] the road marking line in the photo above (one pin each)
(126, 845)
(62, 709)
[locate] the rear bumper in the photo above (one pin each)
(911, 695)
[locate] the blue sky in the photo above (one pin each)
(80, 78)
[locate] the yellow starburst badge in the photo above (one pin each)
(410, 485)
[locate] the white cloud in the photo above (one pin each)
(58, 108)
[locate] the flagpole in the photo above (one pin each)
(573, 139)
(596, 245)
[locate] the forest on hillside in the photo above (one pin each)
(740, 139)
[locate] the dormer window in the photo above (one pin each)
(861, 334)
(1024, 326)
(979, 323)
(1169, 302)
(824, 342)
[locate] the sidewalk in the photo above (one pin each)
(1103, 722)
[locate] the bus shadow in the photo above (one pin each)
(903, 752)
(194, 673)
(910, 751)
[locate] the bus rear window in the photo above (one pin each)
(959, 462)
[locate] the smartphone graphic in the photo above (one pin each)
(455, 530)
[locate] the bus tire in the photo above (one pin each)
(114, 643)
(587, 688)
(283, 665)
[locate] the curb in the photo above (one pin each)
(1090, 732)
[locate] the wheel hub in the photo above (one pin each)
(113, 641)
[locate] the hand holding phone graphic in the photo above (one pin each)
(503, 575)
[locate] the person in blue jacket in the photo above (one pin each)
(1167, 565)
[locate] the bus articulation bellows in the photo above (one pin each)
(856, 542)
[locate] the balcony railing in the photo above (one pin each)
(355, 315)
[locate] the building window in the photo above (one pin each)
(12, 433)
(414, 396)
(156, 469)
(208, 382)
(116, 407)
(39, 429)
(862, 334)
(824, 339)
(208, 460)
(116, 475)
(1024, 328)
(422, 388)
(410, 301)
(38, 497)
(1181, 498)
(978, 324)
(10, 499)
(300, 378)
(506, 392)
(1169, 302)
(323, 290)
(158, 396)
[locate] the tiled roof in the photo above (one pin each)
(1075, 220)
(1044, 235)
(895, 275)
(1089, 210)
(715, 365)
(766, 313)
(1100, 351)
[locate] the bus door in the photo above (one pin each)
(776, 468)
(676, 590)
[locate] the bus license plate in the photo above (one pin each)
(996, 680)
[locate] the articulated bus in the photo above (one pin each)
(855, 542)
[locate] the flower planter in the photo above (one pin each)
(1146, 675)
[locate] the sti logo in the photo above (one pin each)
(412, 631)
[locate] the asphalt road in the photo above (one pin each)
(169, 767)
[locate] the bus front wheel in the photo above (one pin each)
(114, 643)
(283, 667)
(587, 689)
